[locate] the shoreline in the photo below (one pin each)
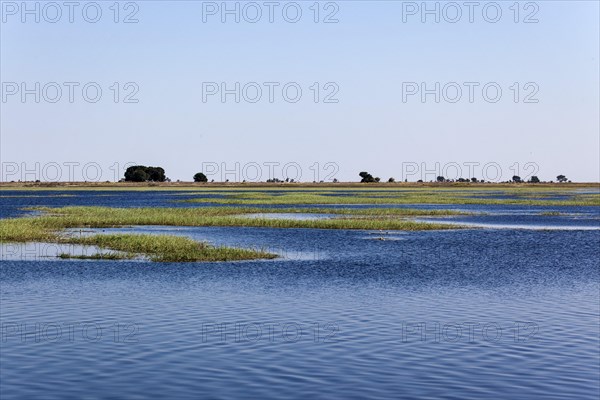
(264, 185)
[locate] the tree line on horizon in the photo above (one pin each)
(368, 178)
(142, 173)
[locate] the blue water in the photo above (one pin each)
(464, 314)
(12, 202)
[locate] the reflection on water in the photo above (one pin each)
(475, 313)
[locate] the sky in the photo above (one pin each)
(306, 90)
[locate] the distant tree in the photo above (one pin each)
(474, 180)
(420, 181)
(561, 178)
(334, 180)
(200, 177)
(516, 179)
(534, 179)
(141, 173)
(391, 180)
(156, 174)
(441, 179)
(366, 177)
(132, 172)
(377, 179)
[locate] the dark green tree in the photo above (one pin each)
(561, 178)
(366, 177)
(200, 177)
(130, 172)
(156, 174)
(141, 173)
(534, 179)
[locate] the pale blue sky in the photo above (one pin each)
(369, 53)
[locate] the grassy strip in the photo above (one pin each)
(49, 226)
(108, 216)
(99, 217)
(98, 256)
(425, 197)
(164, 248)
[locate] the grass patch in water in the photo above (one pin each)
(50, 226)
(102, 217)
(98, 256)
(165, 248)
(518, 196)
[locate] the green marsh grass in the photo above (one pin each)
(437, 196)
(50, 226)
(98, 256)
(165, 248)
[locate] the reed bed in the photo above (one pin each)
(50, 226)
(165, 248)
(399, 197)
(98, 256)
